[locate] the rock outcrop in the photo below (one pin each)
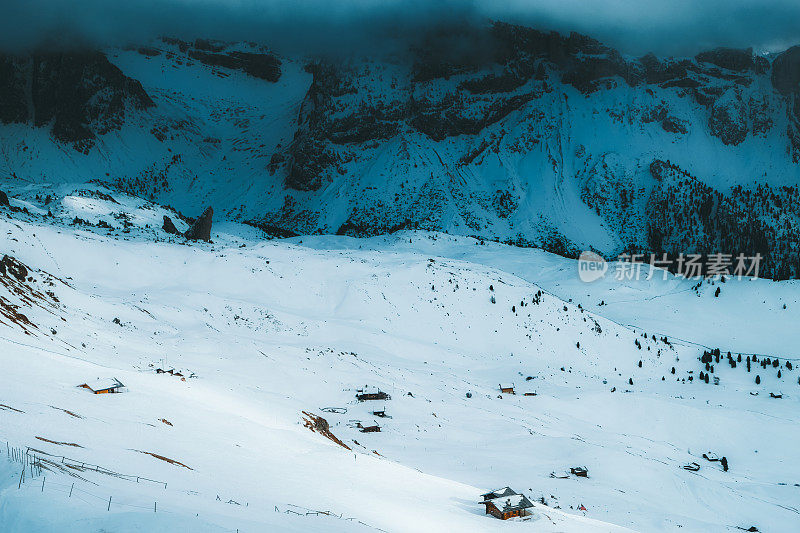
(201, 229)
(4, 199)
(169, 226)
(9, 266)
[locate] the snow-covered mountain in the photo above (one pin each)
(242, 360)
(502, 132)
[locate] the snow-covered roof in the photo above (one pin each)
(104, 383)
(506, 385)
(511, 503)
(505, 491)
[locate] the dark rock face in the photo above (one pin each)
(83, 94)
(4, 199)
(786, 71)
(729, 58)
(80, 93)
(727, 121)
(13, 103)
(169, 226)
(201, 229)
(11, 267)
(674, 125)
(441, 120)
(263, 66)
(462, 82)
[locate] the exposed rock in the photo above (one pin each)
(727, 121)
(786, 71)
(11, 267)
(169, 226)
(447, 119)
(201, 229)
(263, 66)
(80, 93)
(4, 199)
(674, 125)
(492, 83)
(13, 100)
(585, 74)
(729, 58)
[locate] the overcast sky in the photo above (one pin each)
(667, 27)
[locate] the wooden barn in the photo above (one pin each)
(510, 506)
(104, 386)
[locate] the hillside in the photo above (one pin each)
(268, 335)
(498, 131)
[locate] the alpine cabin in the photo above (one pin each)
(506, 507)
(104, 386)
(507, 388)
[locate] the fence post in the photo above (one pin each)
(155, 506)
(43, 479)
(20, 477)
(70, 489)
(109, 504)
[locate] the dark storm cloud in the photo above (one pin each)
(679, 27)
(666, 27)
(301, 24)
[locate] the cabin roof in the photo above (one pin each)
(513, 502)
(506, 385)
(104, 383)
(505, 491)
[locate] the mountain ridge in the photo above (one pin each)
(502, 132)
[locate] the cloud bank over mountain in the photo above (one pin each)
(635, 26)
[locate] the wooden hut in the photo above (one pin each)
(507, 388)
(366, 396)
(104, 386)
(580, 471)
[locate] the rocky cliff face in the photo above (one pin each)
(504, 132)
(79, 95)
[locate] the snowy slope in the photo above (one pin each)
(263, 331)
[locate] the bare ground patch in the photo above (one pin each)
(165, 459)
(59, 443)
(70, 413)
